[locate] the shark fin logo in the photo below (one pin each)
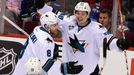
(77, 45)
(7, 61)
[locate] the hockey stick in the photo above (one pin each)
(104, 55)
(121, 21)
(13, 24)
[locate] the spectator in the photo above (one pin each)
(105, 18)
(128, 10)
(14, 6)
(12, 12)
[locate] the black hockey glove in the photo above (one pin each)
(122, 44)
(74, 43)
(71, 68)
(56, 52)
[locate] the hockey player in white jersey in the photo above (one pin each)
(40, 51)
(82, 39)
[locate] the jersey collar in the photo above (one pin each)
(80, 27)
(84, 25)
(41, 28)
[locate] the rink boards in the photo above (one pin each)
(115, 62)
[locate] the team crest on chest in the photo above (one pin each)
(75, 50)
(77, 45)
(83, 44)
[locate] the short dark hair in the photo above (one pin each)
(106, 11)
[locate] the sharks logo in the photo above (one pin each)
(83, 43)
(7, 61)
(77, 45)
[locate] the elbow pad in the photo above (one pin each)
(122, 44)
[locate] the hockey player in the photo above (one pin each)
(40, 51)
(105, 17)
(82, 40)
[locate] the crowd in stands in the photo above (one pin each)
(12, 12)
(128, 11)
(26, 13)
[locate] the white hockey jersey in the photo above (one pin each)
(39, 44)
(46, 8)
(91, 36)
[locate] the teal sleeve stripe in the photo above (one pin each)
(23, 50)
(48, 65)
(65, 68)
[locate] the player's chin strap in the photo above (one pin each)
(105, 48)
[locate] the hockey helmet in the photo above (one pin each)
(48, 18)
(83, 6)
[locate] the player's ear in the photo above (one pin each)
(46, 26)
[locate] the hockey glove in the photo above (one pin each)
(71, 68)
(56, 52)
(122, 44)
(74, 43)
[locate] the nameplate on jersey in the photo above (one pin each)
(33, 37)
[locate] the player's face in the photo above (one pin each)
(54, 29)
(104, 19)
(81, 17)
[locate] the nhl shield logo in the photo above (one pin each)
(7, 61)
